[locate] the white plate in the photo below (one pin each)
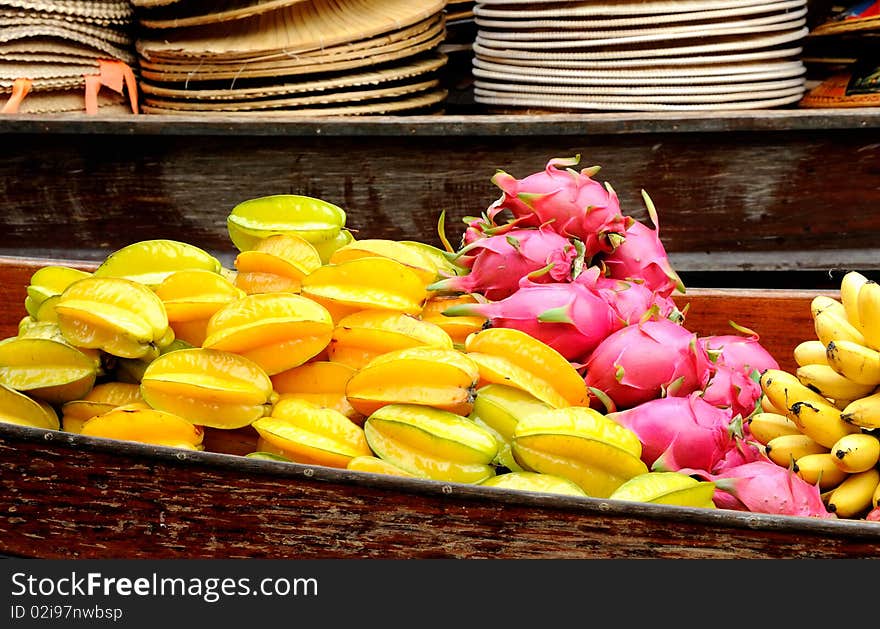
(777, 21)
(612, 22)
(570, 41)
(675, 76)
(640, 54)
(594, 105)
(676, 93)
(555, 8)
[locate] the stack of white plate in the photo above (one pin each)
(291, 57)
(639, 55)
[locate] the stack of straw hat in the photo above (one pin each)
(639, 55)
(843, 58)
(291, 57)
(67, 56)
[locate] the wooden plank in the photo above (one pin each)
(757, 191)
(76, 497)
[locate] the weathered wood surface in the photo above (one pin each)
(68, 496)
(780, 317)
(787, 190)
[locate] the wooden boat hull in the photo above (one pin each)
(65, 495)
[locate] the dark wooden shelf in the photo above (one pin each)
(769, 191)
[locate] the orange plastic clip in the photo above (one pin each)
(20, 89)
(115, 75)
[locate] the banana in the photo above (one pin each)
(765, 426)
(857, 362)
(864, 412)
(811, 352)
(850, 284)
(820, 469)
(821, 421)
(854, 495)
(783, 389)
(768, 407)
(869, 313)
(857, 452)
(830, 384)
(784, 450)
(875, 498)
(831, 324)
(821, 303)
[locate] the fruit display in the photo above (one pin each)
(821, 421)
(545, 352)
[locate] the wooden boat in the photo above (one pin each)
(69, 496)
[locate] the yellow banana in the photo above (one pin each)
(768, 407)
(784, 450)
(830, 384)
(869, 313)
(875, 498)
(821, 303)
(783, 389)
(864, 412)
(820, 469)
(854, 495)
(765, 426)
(857, 452)
(811, 352)
(857, 362)
(831, 324)
(850, 285)
(821, 421)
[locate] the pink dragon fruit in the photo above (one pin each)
(762, 486)
(739, 362)
(567, 316)
(679, 432)
(646, 360)
(641, 256)
(744, 449)
(575, 204)
(744, 353)
(497, 263)
(482, 227)
(632, 301)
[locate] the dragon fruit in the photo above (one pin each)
(575, 204)
(632, 301)
(647, 360)
(739, 362)
(641, 257)
(762, 486)
(497, 263)
(679, 432)
(567, 316)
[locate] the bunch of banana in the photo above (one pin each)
(823, 420)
